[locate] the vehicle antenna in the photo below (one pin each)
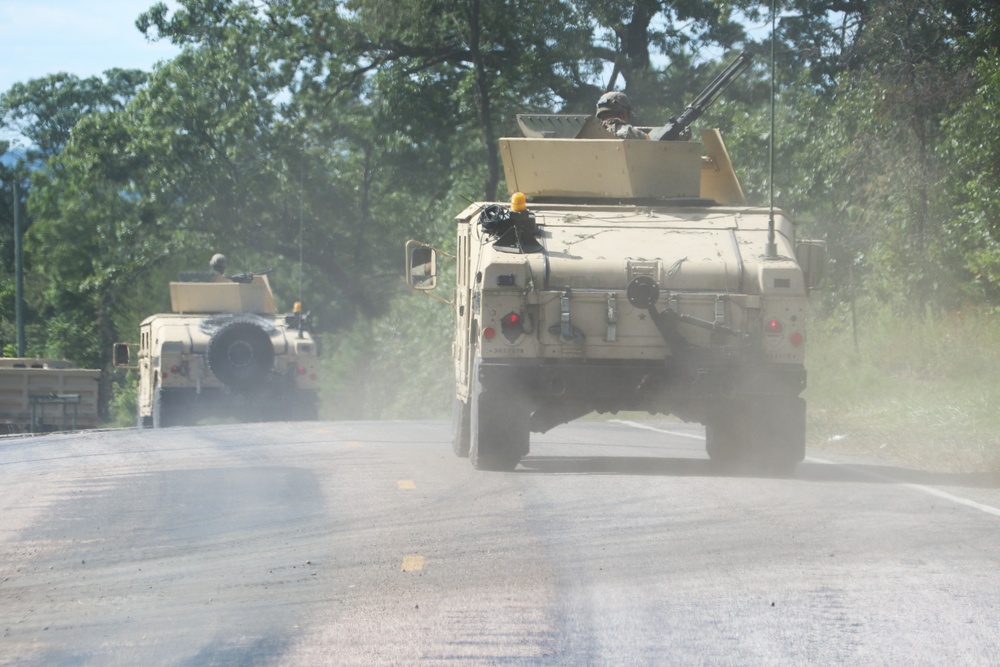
(301, 225)
(18, 274)
(772, 247)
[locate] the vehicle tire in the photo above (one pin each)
(780, 434)
(460, 416)
(498, 424)
(163, 409)
(758, 436)
(723, 439)
(240, 354)
(305, 407)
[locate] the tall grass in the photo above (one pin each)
(923, 392)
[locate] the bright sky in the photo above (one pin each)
(82, 37)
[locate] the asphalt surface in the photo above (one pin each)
(369, 543)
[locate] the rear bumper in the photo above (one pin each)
(603, 386)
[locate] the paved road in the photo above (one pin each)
(615, 543)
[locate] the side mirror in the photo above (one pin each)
(811, 256)
(121, 355)
(421, 266)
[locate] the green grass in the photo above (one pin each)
(923, 393)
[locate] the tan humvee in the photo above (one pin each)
(223, 351)
(635, 279)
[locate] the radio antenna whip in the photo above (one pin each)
(772, 247)
(302, 224)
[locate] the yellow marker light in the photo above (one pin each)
(518, 202)
(297, 308)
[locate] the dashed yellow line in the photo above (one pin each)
(353, 443)
(412, 563)
(406, 484)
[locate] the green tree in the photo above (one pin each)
(93, 235)
(45, 112)
(974, 146)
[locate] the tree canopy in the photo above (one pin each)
(317, 136)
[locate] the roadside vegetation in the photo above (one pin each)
(317, 137)
(918, 391)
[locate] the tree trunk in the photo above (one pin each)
(481, 90)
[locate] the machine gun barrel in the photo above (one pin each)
(248, 276)
(673, 129)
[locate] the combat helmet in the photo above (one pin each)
(218, 263)
(614, 103)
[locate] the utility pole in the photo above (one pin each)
(18, 274)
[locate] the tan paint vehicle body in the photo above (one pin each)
(649, 287)
(224, 351)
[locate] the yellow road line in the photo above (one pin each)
(406, 484)
(412, 563)
(352, 443)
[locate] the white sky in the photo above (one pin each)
(81, 37)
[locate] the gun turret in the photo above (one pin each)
(673, 129)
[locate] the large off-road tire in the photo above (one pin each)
(164, 409)
(460, 417)
(240, 354)
(759, 435)
(723, 437)
(304, 406)
(174, 407)
(498, 423)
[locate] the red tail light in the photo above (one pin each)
(512, 326)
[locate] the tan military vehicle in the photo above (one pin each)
(224, 351)
(626, 275)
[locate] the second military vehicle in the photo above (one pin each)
(636, 279)
(224, 351)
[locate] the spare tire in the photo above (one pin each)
(240, 354)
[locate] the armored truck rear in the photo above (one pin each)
(635, 279)
(224, 351)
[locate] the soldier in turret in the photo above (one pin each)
(614, 110)
(218, 264)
